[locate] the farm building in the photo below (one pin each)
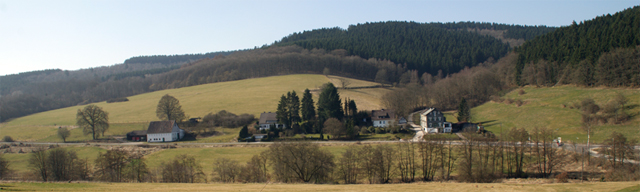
(269, 119)
(139, 135)
(164, 131)
(383, 117)
(433, 121)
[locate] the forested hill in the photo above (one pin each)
(601, 51)
(170, 59)
(426, 47)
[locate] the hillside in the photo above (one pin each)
(578, 53)
(551, 107)
(252, 96)
(425, 47)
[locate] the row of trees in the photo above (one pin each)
(480, 158)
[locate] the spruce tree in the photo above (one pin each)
(282, 113)
(307, 108)
(329, 103)
(294, 108)
(464, 112)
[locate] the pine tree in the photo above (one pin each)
(282, 113)
(329, 103)
(294, 108)
(308, 110)
(244, 132)
(464, 112)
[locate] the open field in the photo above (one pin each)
(455, 187)
(252, 96)
(545, 107)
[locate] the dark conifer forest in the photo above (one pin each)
(601, 51)
(425, 47)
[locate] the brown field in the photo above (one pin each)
(456, 187)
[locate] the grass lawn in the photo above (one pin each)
(454, 187)
(252, 96)
(545, 107)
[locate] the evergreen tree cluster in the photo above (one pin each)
(288, 112)
(577, 51)
(426, 47)
(170, 59)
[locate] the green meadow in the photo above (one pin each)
(551, 107)
(252, 96)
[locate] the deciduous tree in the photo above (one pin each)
(93, 120)
(169, 108)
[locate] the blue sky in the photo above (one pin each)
(68, 34)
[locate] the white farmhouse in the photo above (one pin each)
(383, 118)
(269, 119)
(164, 131)
(433, 121)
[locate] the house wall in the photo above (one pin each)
(382, 123)
(157, 137)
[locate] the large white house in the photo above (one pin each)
(164, 131)
(269, 119)
(433, 121)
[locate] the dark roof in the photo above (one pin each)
(161, 126)
(382, 114)
(264, 117)
(137, 133)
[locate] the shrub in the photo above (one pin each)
(521, 92)
(114, 100)
(562, 177)
(7, 139)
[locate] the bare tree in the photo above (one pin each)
(169, 108)
(38, 163)
(380, 166)
(406, 158)
(225, 170)
(255, 170)
(63, 133)
(306, 161)
(4, 167)
(182, 169)
(93, 120)
(111, 165)
(345, 82)
(349, 165)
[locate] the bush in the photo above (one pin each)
(521, 92)
(562, 177)
(227, 119)
(114, 100)
(8, 139)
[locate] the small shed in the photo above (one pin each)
(138, 135)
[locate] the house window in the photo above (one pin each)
(430, 125)
(439, 118)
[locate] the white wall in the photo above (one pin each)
(157, 137)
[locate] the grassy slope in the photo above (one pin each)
(456, 187)
(544, 108)
(252, 96)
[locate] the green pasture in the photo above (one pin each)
(252, 96)
(550, 107)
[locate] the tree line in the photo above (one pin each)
(481, 158)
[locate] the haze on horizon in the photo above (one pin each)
(70, 35)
